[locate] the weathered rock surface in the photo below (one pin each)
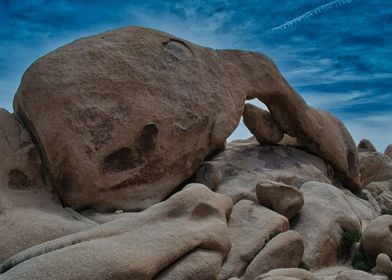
(131, 113)
(251, 226)
(375, 167)
(377, 237)
(323, 218)
(366, 146)
(295, 273)
(282, 198)
(181, 237)
(245, 163)
(283, 251)
(30, 213)
(383, 265)
(261, 125)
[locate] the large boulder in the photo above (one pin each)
(377, 237)
(244, 163)
(30, 212)
(323, 219)
(122, 118)
(284, 199)
(251, 226)
(184, 237)
(283, 251)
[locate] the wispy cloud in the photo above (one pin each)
(314, 12)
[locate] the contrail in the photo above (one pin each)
(322, 9)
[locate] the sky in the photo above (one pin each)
(336, 54)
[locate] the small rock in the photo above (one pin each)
(383, 265)
(366, 146)
(282, 198)
(118, 212)
(261, 125)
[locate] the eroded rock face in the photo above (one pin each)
(325, 215)
(30, 213)
(377, 237)
(131, 113)
(180, 237)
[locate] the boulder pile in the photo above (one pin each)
(115, 166)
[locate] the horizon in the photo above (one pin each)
(321, 47)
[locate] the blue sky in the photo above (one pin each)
(337, 54)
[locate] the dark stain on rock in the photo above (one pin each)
(18, 180)
(120, 160)
(146, 174)
(146, 142)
